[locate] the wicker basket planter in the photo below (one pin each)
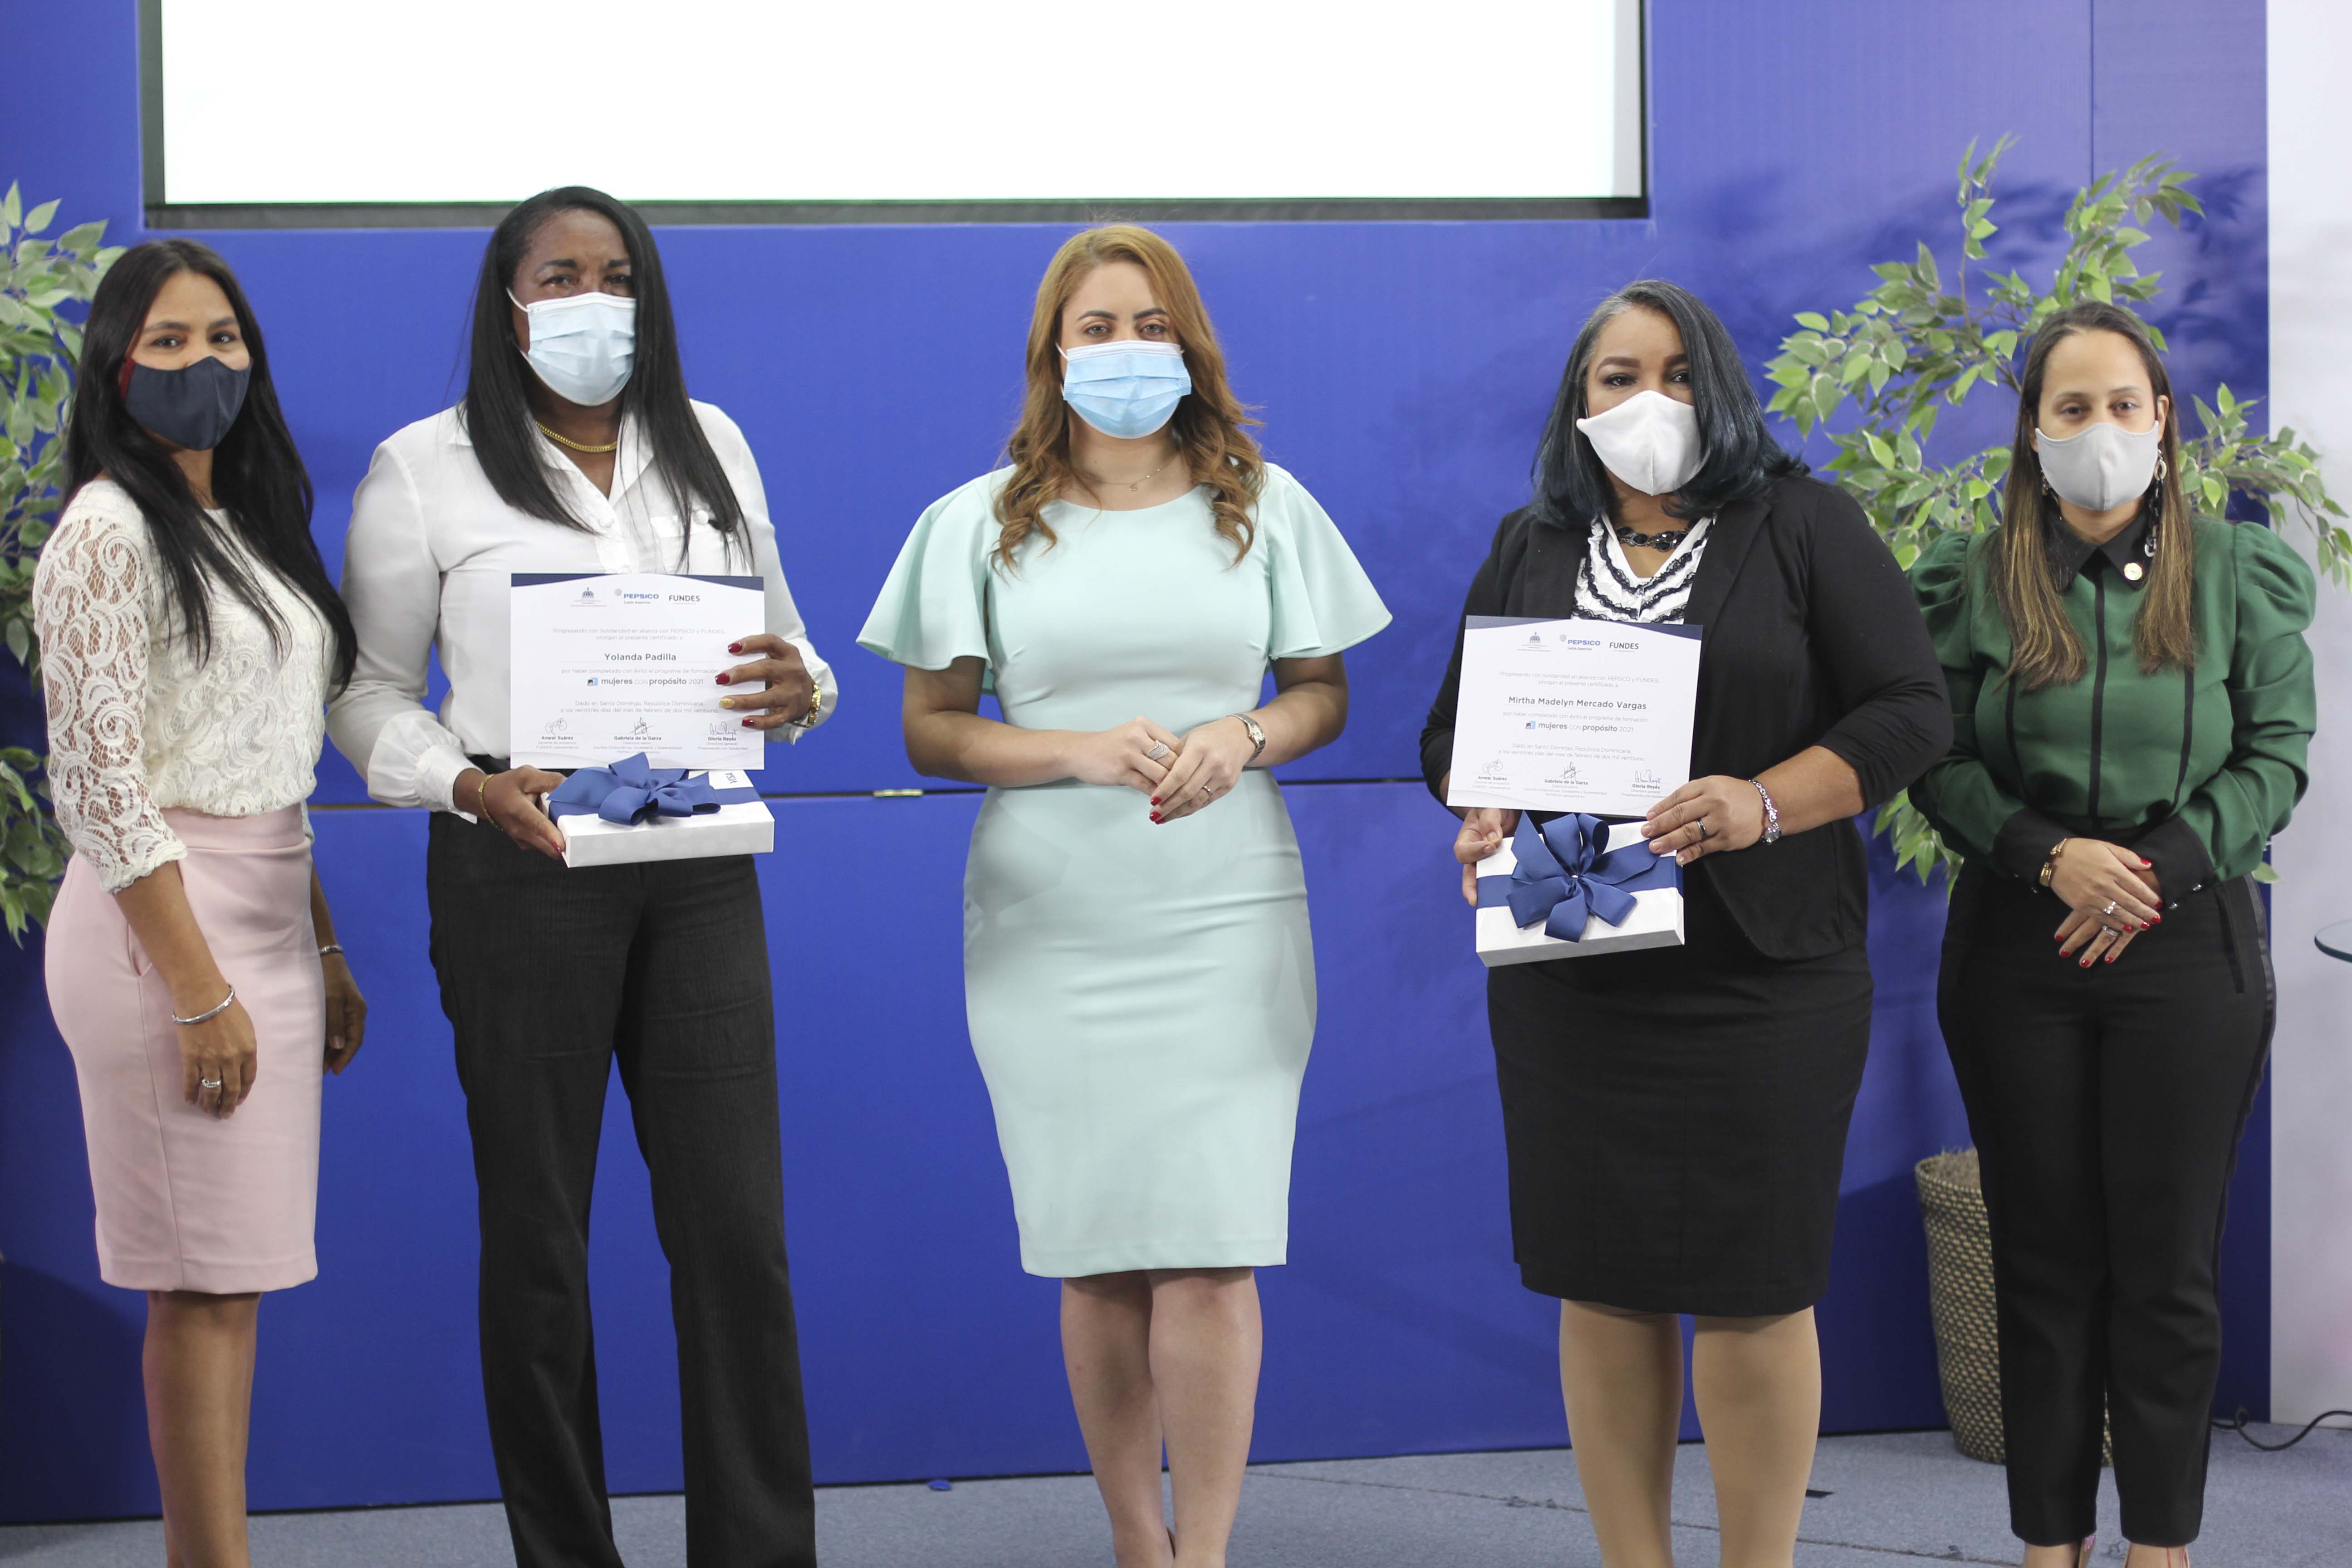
(1959, 1293)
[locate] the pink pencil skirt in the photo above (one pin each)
(187, 1201)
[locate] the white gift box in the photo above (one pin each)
(1656, 921)
(737, 828)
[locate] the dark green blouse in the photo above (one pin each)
(2196, 769)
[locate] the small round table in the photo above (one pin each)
(2336, 941)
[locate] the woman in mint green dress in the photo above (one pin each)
(1138, 970)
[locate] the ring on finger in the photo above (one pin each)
(1702, 830)
(1159, 749)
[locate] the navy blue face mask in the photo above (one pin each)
(192, 407)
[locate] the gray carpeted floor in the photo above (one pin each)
(1890, 1499)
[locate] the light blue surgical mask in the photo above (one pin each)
(1125, 389)
(583, 345)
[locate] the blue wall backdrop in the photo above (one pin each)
(1403, 372)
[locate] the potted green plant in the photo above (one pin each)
(40, 347)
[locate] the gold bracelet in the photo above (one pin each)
(2049, 861)
(482, 801)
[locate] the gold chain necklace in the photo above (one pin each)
(576, 445)
(1138, 484)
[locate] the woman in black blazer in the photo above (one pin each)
(1676, 1118)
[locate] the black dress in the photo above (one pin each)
(1676, 1118)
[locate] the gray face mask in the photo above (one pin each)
(2102, 468)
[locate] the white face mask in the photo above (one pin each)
(2102, 468)
(582, 346)
(1650, 441)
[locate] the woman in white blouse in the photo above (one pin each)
(577, 451)
(189, 637)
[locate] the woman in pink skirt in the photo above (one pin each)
(189, 637)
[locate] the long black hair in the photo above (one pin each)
(499, 380)
(258, 478)
(1571, 483)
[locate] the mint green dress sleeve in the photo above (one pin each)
(1958, 796)
(933, 607)
(1322, 601)
(2274, 706)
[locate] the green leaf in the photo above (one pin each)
(38, 219)
(1926, 268)
(12, 207)
(1814, 320)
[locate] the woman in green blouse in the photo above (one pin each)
(2132, 700)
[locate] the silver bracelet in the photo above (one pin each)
(211, 1013)
(330, 947)
(1771, 814)
(1256, 735)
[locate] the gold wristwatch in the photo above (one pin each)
(808, 721)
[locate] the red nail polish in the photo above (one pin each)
(725, 679)
(1155, 800)
(747, 723)
(1155, 816)
(734, 648)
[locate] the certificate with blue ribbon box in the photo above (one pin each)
(605, 666)
(1590, 719)
(1573, 715)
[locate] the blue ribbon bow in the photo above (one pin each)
(629, 792)
(1567, 874)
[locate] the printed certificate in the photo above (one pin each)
(603, 667)
(1591, 716)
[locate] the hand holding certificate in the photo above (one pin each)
(604, 666)
(1573, 715)
(628, 677)
(1591, 719)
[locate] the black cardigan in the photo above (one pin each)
(1810, 638)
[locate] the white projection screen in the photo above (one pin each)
(321, 112)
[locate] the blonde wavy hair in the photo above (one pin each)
(1207, 426)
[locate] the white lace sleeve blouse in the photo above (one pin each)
(136, 723)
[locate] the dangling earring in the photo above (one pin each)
(2163, 471)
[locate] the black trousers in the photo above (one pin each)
(2106, 1105)
(549, 975)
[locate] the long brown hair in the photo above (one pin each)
(1207, 425)
(2044, 648)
